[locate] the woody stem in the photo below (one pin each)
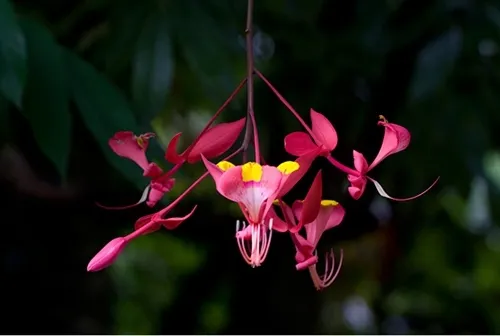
(176, 201)
(250, 70)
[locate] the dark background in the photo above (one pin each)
(72, 73)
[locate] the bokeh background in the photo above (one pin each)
(72, 73)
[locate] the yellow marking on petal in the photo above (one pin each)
(381, 117)
(251, 171)
(277, 202)
(225, 165)
(327, 203)
(140, 141)
(288, 167)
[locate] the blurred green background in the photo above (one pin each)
(72, 73)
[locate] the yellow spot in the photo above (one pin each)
(225, 165)
(327, 203)
(288, 167)
(251, 171)
(277, 202)
(381, 117)
(140, 141)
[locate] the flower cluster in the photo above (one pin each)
(257, 188)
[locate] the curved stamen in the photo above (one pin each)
(254, 245)
(330, 274)
(327, 280)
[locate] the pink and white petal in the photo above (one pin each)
(324, 131)
(143, 198)
(383, 193)
(396, 138)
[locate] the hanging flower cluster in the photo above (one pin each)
(257, 188)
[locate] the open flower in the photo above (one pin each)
(316, 216)
(132, 147)
(253, 187)
(396, 139)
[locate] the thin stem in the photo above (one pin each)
(334, 162)
(287, 104)
(164, 211)
(219, 111)
(250, 69)
(344, 168)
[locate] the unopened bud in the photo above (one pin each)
(107, 255)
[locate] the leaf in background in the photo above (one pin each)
(435, 62)
(13, 66)
(212, 53)
(46, 96)
(152, 66)
(104, 110)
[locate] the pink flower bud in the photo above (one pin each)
(107, 255)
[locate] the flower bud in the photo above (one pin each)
(107, 255)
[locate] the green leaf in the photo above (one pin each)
(46, 96)
(104, 110)
(13, 66)
(435, 62)
(153, 66)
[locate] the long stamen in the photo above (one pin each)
(254, 249)
(330, 274)
(328, 280)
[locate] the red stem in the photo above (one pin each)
(219, 111)
(334, 162)
(175, 202)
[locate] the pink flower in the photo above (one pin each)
(396, 139)
(253, 187)
(323, 136)
(316, 216)
(132, 147)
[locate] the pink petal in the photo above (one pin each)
(147, 220)
(171, 152)
(382, 192)
(107, 255)
(153, 170)
(311, 205)
(396, 138)
(143, 198)
(216, 140)
(125, 144)
(253, 195)
(291, 180)
(158, 190)
(360, 162)
(173, 222)
(212, 169)
(305, 251)
(358, 186)
(328, 217)
(299, 143)
(278, 224)
(324, 131)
